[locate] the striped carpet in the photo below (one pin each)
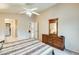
(26, 47)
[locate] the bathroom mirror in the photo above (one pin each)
(53, 26)
(8, 29)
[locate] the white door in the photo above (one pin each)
(34, 30)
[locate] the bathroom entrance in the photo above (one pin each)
(10, 30)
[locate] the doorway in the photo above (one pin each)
(34, 30)
(10, 30)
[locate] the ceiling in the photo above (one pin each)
(18, 7)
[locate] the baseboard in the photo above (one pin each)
(72, 51)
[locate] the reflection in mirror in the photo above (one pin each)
(53, 26)
(8, 29)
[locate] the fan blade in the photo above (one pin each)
(35, 13)
(25, 8)
(23, 12)
(34, 9)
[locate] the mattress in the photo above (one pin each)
(26, 47)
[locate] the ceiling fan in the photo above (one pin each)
(29, 12)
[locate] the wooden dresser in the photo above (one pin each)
(54, 40)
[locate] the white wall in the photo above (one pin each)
(22, 25)
(1, 30)
(68, 22)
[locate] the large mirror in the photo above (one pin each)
(8, 29)
(53, 26)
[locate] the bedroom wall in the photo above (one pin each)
(68, 22)
(22, 25)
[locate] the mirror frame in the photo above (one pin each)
(55, 20)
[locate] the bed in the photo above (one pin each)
(26, 47)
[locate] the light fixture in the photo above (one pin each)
(29, 12)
